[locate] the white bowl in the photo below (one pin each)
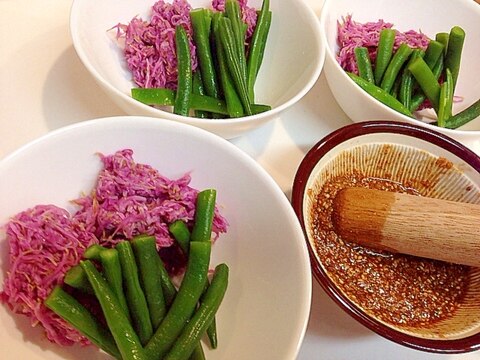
(289, 69)
(266, 308)
(429, 16)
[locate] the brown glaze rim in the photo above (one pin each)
(319, 150)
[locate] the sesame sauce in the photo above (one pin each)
(398, 289)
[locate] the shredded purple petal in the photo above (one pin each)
(44, 244)
(150, 44)
(129, 199)
(249, 14)
(352, 34)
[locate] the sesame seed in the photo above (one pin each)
(398, 289)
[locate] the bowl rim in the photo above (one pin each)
(156, 112)
(330, 56)
(170, 126)
(319, 150)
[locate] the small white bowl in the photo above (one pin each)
(292, 63)
(265, 311)
(429, 16)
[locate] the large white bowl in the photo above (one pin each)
(292, 63)
(266, 308)
(429, 16)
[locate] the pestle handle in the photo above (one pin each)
(409, 224)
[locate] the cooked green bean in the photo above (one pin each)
(201, 35)
(113, 274)
(166, 97)
(407, 81)
(69, 309)
(185, 301)
(204, 213)
(146, 255)
(76, 278)
(198, 353)
(227, 39)
(396, 87)
(212, 328)
(426, 79)
(233, 12)
(125, 337)
(443, 39)
(184, 67)
(169, 290)
(364, 64)
(435, 49)
(181, 234)
(384, 53)
(454, 52)
(93, 252)
(420, 97)
(197, 88)
(380, 94)
(445, 101)
(194, 330)
(401, 56)
(464, 116)
(257, 46)
(136, 300)
(234, 104)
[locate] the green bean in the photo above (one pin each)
(464, 116)
(396, 87)
(185, 301)
(69, 309)
(76, 278)
(426, 79)
(201, 35)
(454, 52)
(113, 274)
(204, 213)
(196, 327)
(184, 66)
(407, 82)
(234, 104)
(212, 328)
(181, 234)
(197, 88)
(380, 94)
(125, 337)
(146, 255)
(136, 300)
(257, 46)
(445, 101)
(443, 39)
(259, 108)
(384, 53)
(198, 353)
(363, 63)
(233, 12)
(401, 56)
(228, 43)
(434, 50)
(420, 97)
(169, 290)
(166, 97)
(93, 252)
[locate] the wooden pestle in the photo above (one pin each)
(409, 224)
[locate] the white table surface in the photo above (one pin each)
(43, 86)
